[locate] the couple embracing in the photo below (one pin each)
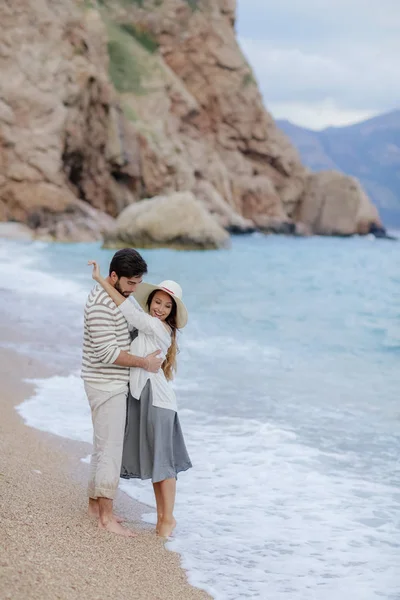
(129, 358)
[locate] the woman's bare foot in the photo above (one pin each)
(166, 528)
(113, 527)
(159, 519)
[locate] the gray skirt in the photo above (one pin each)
(154, 447)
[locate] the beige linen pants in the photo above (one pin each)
(108, 418)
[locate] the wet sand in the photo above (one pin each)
(49, 548)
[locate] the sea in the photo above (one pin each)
(288, 390)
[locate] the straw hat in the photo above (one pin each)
(172, 288)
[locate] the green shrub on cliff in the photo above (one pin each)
(248, 79)
(125, 69)
(143, 37)
(129, 112)
(194, 4)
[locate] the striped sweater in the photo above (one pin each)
(105, 334)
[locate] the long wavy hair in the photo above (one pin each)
(169, 365)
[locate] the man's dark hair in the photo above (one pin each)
(128, 263)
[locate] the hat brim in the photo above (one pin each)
(144, 290)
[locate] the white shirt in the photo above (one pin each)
(152, 335)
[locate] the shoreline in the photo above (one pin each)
(50, 547)
(20, 232)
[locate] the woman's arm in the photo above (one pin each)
(134, 316)
(144, 322)
(107, 287)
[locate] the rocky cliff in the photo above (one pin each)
(104, 103)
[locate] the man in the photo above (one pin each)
(105, 370)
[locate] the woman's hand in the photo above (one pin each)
(96, 270)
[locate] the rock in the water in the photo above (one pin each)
(79, 223)
(15, 231)
(302, 230)
(221, 210)
(257, 198)
(335, 204)
(381, 233)
(274, 225)
(174, 221)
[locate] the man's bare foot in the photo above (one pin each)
(166, 528)
(93, 507)
(118, 519)
(95, 515)
(94, 511)
(113, 527)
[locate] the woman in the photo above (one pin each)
(154, 447)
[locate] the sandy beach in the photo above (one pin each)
(49, 548)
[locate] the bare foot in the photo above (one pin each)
(93, 508)
(113, 527)
(159, 519)
(94, 513)
(118, 519)
(166, 528)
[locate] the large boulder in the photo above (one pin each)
(221, 210)
(335, 204)
(15, 231)
(257, 197)
(79, 223)
(174, 221)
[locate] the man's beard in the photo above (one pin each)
(118, 288)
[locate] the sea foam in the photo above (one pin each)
(257, 516)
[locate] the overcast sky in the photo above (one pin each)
(323, 62)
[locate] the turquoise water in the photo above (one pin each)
(288, 386)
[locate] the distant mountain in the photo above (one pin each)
(369, 151)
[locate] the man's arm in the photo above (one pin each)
(101, 326)
(105, 347)
(150, 363)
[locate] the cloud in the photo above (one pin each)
(318, 115)
(337, 56)
(360, 79)
(325, 19)
(287, 74)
